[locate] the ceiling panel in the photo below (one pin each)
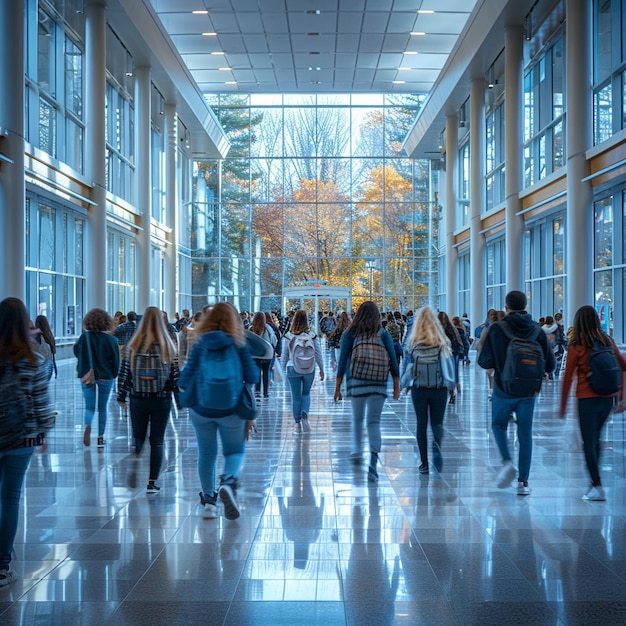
(361, 43)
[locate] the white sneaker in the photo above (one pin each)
(297, 428)
(595, 494)
(523, 489)
(209, 511)
(7, 576)
(306, 427)
(227, 496)
(506, 475)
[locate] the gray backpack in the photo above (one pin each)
(426, 368)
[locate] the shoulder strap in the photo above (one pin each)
(88, 341)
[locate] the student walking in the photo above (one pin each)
(593, 408)
(97, 366)
(217, 331)
(300, 353)
(517, 381)
(366, 358)
(149, 375)
(25, 417)
(427, 344)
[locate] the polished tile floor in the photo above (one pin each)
(316, 543)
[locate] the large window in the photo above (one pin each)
(609, 76)
(55, 273)
(544, 254)
(121, 257)
(315, 188)
(463, 282)
(495, 274)
(494, 157)
(462, 214)
(54, 83)
(544, 110)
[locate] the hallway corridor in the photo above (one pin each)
(316, 543)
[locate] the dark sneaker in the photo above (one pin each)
(100, 442)
(227, 496)
(523, 489)
(7, 576)
(87, 436)
(152, 488)
(423, 468)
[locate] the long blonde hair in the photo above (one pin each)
(428, 330)
(152, 330)
(223, 316)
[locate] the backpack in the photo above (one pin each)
(302, 349)
(605, 375)
(524, 364)
(426, 368)
(394, 330)
(369, 359)
(13, 407)
(218, 381)
(150, 374)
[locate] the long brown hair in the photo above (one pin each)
(259, 324)
(15, 339)
(223, 316)
(41, 322)
(587, 328)
(300, 322)
(343, 322)
(366, 320)
(152, 330)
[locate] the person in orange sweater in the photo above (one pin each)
(593, 408)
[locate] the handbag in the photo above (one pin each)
(88, 378)
(246, 407)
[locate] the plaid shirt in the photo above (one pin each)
(125, 383)
(124, 332)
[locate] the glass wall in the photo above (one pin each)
(494, 157)
(121, 256)
(314, 188)
(544, 254)
(463, 284)
(54, 81)
(544, 112)
(609, 74)
(495, 274)
(55, 272)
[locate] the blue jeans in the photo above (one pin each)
(429, 403)
(13, 466)
(501, 409)
(300, 392)
(156, 413)
(232, 433)
(368, 408)
(89, 394)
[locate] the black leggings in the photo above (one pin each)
(156, 412)
(592, 414)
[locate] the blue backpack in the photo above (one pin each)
(217, 382)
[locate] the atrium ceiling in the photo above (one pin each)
(313, 46)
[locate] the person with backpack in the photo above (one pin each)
(26, 416)
(45, 345)
(595, 361)
(517, 350)
(212, 380)
(429, 393)
(300, 353)
(260, 328)
(149, 375)
(456, 343)
(97, 366)
(366, 358)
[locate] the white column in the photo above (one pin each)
(452, 148)
(172, 201)
(477, 185)
(12, 183)
(143, 178)
(513, 80)
(579, 216)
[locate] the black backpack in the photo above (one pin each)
(524, 365)
(605, 375)
(14, 407)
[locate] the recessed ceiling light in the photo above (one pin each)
(315, 82)
(418, 33)
(230, 82)
(199, 12)
(425, 11)
(315, 68)
(209, 34)
(410, 52)
(217, 53)
(224, 69)
(404, 69)
(398, 82)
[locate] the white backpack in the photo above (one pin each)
(302, 349)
